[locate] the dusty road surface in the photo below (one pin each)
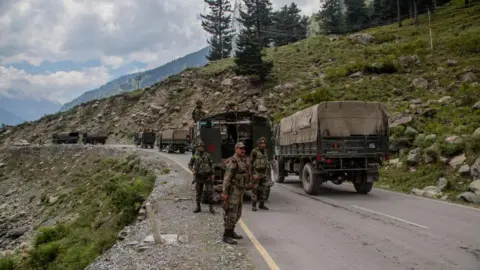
(340, 229)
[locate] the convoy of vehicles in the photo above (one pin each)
(173, 140)
(333, 141)
(75, 137)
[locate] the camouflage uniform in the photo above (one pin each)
(202, 166)
(198, 113)
(260, 167)
(236, 176)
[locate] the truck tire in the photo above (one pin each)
(275, 171)
(311, 182)
(363, 187)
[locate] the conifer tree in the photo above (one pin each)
(218, 24)
(331, 17)
(289, 24)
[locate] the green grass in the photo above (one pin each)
(106, 195)
(320, 69)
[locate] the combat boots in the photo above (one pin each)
(262, 206)
(235, 235)
(228, 237)
(254, 206)
(211, 209)
(198, 209)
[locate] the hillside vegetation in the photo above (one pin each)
(64, 206)
(432, 96)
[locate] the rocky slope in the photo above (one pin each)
(433, 97)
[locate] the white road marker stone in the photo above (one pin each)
(392, 217)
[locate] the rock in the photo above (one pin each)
(475, 187)
(417, 191)
(362, 38)
(169, 238)
(183, 239)
(149, 239)
(122, 235)
(227, 82)
(469, 197)
(356, 74)
(52, 199)
(475, 169)
(10, 192)
(452, 63)
(431, 137)
(476, 106)
(133, 243)
(402, 121)
(430, 112)
(429, 159)
(444, 198)
(407, 61)
(453, 140)
(3, 164)
(445, 100)
(262, 108)
(442, 183)
(416, 101)
(411, 132)
(469, 77)
(456, 161)
(116, 118)
(17, 232)
(476, 133)
(420, 83)
(414, 156)
(464, 170)
(394, 161)
(177, 109)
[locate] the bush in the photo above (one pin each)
(7, 264)
(451, 149)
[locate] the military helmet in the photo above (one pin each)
(199, 143)
(262, 139)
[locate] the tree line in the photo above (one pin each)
(261, 26)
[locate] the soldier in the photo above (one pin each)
(260, 167)
(236, 176)
(198, 113)
(201, 166)
(231, 106)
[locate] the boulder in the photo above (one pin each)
(469, 77)
(362, 38)
(475, 169)
(476, 106)
(475, 187)
(402, 121)
(464, 170)
(469, 197)
(452, 63)
(442, 183)
(420, 83)
(445, 100)
(414, 156)
(457, 161)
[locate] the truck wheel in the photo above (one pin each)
(275, 171)
(311, 181)
(363, 187)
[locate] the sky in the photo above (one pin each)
(59, 49)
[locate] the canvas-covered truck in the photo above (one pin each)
(65, 137)
(220, 132)
(333, 141)
(145, 139)
(173, 140)
(94, 137)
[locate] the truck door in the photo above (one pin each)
(212, 139)
(264, 131)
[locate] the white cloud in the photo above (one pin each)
(56, 86)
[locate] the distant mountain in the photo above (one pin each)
(9, 118)
(28, 108)
(127, 83)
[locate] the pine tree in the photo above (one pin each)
(217, 23)
(253, 38)
(331, 17)
(356, 14)
(289, 25)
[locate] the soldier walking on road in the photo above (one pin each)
(260, 167)
(236, 176)
(201, 166)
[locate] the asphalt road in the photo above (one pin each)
(340, 229)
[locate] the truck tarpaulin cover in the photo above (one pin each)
(177, 134)
(334, 118)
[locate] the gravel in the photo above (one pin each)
(195, 239)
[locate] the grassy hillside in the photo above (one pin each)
(432, 93)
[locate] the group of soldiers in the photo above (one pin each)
(240, 174)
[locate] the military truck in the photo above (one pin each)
(173, 140)
(65, 137)
(94, 138)
(333, 141)
(145, 139)
(220, 132)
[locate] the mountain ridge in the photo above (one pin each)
(9, 118)
(127, 83)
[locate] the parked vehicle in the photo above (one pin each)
(173, 140)
(333, 141)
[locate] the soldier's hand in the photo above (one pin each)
(224, 196)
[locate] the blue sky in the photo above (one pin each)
(59, 49)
